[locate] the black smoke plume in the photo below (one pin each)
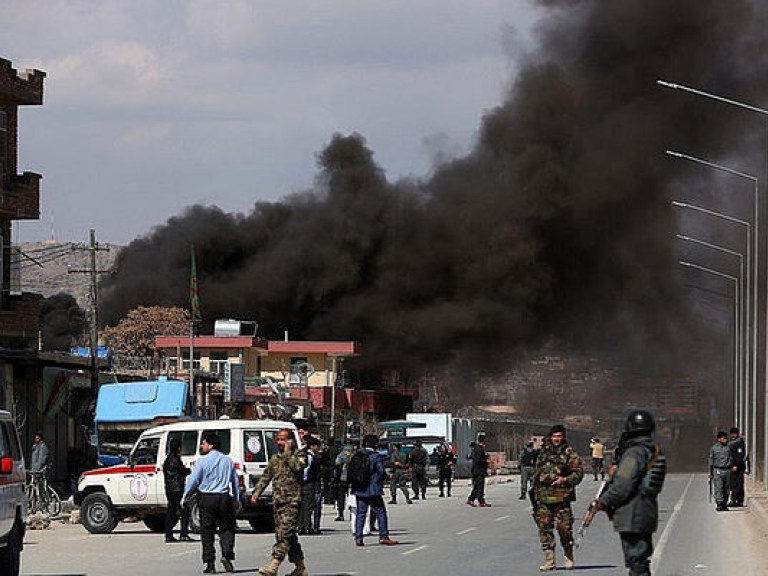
(62, 322)
(557, 223)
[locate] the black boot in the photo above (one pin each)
(210, 568)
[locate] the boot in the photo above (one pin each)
(549, 561)
(271, 570)
(301, 569)
(569, 561)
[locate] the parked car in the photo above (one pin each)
(13, 500)
(137, 489)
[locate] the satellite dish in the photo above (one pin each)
(305, 369)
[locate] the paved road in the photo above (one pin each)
(438, 537)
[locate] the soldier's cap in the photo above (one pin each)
(557, 429)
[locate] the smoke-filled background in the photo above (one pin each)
(558, 224)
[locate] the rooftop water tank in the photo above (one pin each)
(230, 327)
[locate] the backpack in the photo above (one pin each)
(359, 470)
(655, 472)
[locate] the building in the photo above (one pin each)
(19, 200)
(310, 375)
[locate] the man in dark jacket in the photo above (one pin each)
(446, 462)
(311, 496)
(479, 472)
(175, 474)
(630, 498)
(371, 495)
(418, 459)
(738, 468)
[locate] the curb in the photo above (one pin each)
(754, 505)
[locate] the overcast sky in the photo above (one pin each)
(154, 105)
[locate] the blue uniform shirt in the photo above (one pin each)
(213, 474)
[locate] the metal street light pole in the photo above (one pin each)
(735, 300)
(739, 406)
(754, 274)
(763, 112)
(750, 424)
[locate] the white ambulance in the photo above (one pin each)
(137, 489)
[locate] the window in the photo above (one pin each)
(116, 441)
(270, 436)
(3, 144)
(4, 441)
(146, 450)
(297, 365)
(255, 450)
(13, 441)
(185, 360)
(224, 438)
(218, 360)
(188, 439)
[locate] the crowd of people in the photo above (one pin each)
(353, 477)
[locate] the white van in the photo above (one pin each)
(137, 489)
(13, 499)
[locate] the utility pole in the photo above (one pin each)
(93, 247)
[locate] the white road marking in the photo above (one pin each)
(416, 549)
(668, 528)
(500, 518)
(186, 553)
(467, 531)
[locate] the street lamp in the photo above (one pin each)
(739, 392)
(763, 112)
(735, 300)
(755, 261)
(752, 435)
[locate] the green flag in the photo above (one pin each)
(194, 297)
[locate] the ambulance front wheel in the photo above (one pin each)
(97, 515)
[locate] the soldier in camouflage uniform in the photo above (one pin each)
(285, 471)
(558, 471)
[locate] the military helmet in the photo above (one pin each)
(640, 421)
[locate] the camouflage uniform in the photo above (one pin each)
(553, 503)
(285, 471)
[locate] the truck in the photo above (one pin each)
(126, 409)
(458, 433)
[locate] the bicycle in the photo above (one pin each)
(41, 496)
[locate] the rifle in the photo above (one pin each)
(590, 514)
(710, 487)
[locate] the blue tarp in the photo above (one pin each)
(141, 401)
(101, 352)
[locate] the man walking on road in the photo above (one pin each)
(598, 461)
(738, 468)
(631, 496)
(446, 462)
(558, 472)
(397, 462)
(720, 463)
(285, 470)
(342, 482)
(370, 494)
(527, 466)
(418, 460)
(479, 472)
(174, 474)
(214, 475)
